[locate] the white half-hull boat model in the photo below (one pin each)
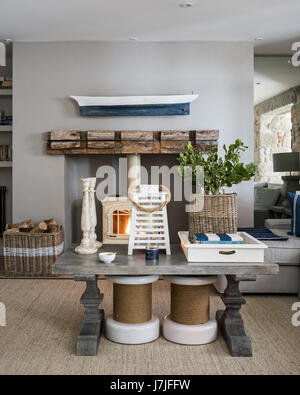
(134, 105)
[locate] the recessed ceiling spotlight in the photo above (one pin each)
(258, 38)
(132, 39)
(186, 5)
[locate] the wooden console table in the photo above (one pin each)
(88, 267)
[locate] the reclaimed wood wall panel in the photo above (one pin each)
(94, 142)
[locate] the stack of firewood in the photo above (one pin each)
(46, 226)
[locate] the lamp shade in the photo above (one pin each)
(286, 161)
(2, 54)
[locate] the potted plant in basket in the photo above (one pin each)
(218, 213)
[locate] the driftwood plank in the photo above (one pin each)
(64, 144)
(71, 151)
(203, 143)
(170, 147)
(175, 147)
(136, 135)
(100, 135)
(135, 147)
(65, 135)
(207, 135)
(204, 147)
(175, 135)
(101, 144)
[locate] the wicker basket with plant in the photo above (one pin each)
(218, 211)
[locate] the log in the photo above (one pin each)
(26, 230)
(40, 228)
(12, 230)
(50, 221)
(52, 228)
(24, 224)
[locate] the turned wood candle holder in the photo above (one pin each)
(132, 321)
(189, 321)
(89, 243)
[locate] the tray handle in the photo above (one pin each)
(226, 252)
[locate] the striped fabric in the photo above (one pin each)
(34, 252)
(295, 209)
(218, 238)
(262, 233)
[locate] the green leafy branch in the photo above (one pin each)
(218, 172)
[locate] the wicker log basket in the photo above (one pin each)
(31, 254)
(213, 214)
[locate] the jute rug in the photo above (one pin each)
(44, 317)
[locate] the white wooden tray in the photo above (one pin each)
(251, 251)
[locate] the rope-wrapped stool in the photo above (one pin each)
(132, 321)
(189, 321)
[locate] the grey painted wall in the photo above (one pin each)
(46, 74)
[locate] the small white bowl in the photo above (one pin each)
(107, 257)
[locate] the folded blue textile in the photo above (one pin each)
(217, 238)
(263, 233)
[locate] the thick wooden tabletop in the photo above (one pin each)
(175, 264)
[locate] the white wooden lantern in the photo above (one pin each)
(149, 220)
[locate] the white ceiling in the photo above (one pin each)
(274, 75)
(277, 21)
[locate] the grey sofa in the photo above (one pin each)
(287, 255)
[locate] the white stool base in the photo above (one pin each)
(124, 333)
(190, 334)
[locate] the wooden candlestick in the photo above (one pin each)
(93, 216)
(85, 246)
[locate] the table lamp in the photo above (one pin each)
(287, 162)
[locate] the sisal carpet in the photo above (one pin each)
(44, 317)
